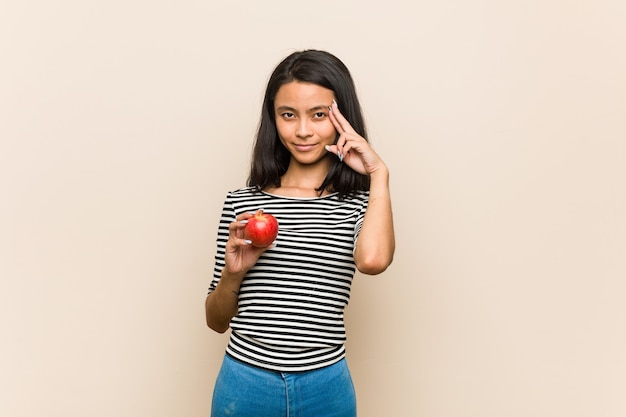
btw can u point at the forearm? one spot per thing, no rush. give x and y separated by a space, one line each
223 302
376 243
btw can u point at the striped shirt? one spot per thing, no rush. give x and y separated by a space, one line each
291 303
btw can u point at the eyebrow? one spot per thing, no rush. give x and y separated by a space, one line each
311 110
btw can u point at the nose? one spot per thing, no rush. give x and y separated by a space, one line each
303 129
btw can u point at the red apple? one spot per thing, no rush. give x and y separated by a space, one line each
262 229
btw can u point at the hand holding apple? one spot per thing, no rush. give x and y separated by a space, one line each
261 229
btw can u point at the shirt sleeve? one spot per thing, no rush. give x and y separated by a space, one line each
227 217
364 200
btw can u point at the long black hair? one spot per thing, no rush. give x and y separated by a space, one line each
270 158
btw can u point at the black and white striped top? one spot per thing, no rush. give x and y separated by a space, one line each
291 303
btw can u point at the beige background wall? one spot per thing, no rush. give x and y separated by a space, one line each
124 123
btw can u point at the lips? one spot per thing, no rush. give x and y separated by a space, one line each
304 147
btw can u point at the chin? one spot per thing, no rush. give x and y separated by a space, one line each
309 161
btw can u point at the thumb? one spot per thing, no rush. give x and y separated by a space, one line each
334 150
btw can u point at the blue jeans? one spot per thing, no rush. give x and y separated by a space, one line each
247 391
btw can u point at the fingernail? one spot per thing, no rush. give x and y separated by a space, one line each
243 222
247 242
340 156
335 103
327 148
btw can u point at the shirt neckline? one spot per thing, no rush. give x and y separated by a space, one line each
299 198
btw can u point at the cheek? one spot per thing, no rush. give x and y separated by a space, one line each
283 133
328 132
282 128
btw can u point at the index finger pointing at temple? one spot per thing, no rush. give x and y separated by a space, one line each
343 124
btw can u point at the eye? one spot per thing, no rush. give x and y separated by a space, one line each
319 115
287 115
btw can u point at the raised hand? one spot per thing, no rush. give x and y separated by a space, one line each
352 148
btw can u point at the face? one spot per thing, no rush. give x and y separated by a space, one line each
302 120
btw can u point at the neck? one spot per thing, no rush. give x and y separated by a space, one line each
302 180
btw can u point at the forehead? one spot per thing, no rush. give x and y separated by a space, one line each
299 94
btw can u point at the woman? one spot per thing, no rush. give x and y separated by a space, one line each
314 170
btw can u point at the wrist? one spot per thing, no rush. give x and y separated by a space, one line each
380 176
232 280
